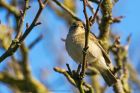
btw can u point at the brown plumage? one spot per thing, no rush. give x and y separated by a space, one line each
96 55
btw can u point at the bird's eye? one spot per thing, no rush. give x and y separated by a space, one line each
74 25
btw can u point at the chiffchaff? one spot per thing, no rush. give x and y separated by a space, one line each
97 57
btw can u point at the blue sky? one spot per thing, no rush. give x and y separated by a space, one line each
44 56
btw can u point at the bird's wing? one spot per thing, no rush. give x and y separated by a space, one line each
107 59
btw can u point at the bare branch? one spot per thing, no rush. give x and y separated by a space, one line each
86 39
95 15
17 41
35 41
10 8
64 72
67 10
21 19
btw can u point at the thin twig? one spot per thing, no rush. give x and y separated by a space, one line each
69 70
64 72
79 68
117 19
98 18
17 42
72 78
67 10
21 19
88 24
10 8
39 38
23 48
28 30
86 40
95 15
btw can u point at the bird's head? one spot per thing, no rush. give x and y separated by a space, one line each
77 27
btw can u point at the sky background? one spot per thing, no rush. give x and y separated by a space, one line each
50 51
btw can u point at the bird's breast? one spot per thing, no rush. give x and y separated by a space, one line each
74 47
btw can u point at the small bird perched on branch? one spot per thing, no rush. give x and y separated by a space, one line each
96 57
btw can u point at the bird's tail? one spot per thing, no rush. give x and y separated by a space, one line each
107 75
109 78
103 69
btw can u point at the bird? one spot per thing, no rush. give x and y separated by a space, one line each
97 58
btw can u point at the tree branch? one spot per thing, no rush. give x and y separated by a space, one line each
106 20
86 39
17 42
10 8
67 10
75 80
